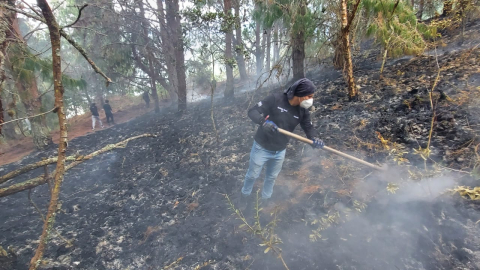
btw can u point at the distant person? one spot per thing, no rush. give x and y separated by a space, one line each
146 97
108 111
95 115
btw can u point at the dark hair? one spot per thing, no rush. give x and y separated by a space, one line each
106 100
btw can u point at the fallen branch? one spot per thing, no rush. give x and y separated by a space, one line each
28 117
33 166
40 180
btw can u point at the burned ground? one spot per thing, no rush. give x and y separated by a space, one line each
159 203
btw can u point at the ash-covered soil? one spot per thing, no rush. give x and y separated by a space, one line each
159 202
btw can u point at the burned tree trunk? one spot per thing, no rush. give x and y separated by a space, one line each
6 22
54 30
168 51
152 73
239 43
229 88
175 28
298 46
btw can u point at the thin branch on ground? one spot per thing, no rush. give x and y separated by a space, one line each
40 180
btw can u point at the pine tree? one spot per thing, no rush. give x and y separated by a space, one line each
396 27
300 22
23 66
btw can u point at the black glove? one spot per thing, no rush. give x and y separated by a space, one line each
317 143
270 127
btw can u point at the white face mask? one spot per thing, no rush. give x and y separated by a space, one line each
306 103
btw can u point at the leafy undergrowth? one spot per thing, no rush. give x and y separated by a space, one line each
160 202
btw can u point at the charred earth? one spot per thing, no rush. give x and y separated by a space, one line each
159 202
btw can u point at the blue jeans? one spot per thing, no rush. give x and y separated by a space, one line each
260 156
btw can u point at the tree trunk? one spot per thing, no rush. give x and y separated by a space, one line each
345 32
298 46
173 21
167 48
153 83
8 130
31 98
62 146
421 6
239 43
152 73
269 48
258 48
276 45
263 34
8 17
229 88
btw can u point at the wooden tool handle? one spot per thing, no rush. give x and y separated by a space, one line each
305 140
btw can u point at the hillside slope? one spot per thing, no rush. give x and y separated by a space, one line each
159 202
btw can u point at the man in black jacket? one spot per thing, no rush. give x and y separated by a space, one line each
95 115
281 110
108 111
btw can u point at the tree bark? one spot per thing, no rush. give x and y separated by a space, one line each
168 50
229 87
239 43
298 46
276 45
345 33
173 20
152 74
258 48
421 5
269 48
54 30
6 25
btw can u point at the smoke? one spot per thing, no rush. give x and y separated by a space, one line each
416 227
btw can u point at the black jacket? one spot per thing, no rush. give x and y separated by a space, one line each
94 110
284 115
107 108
